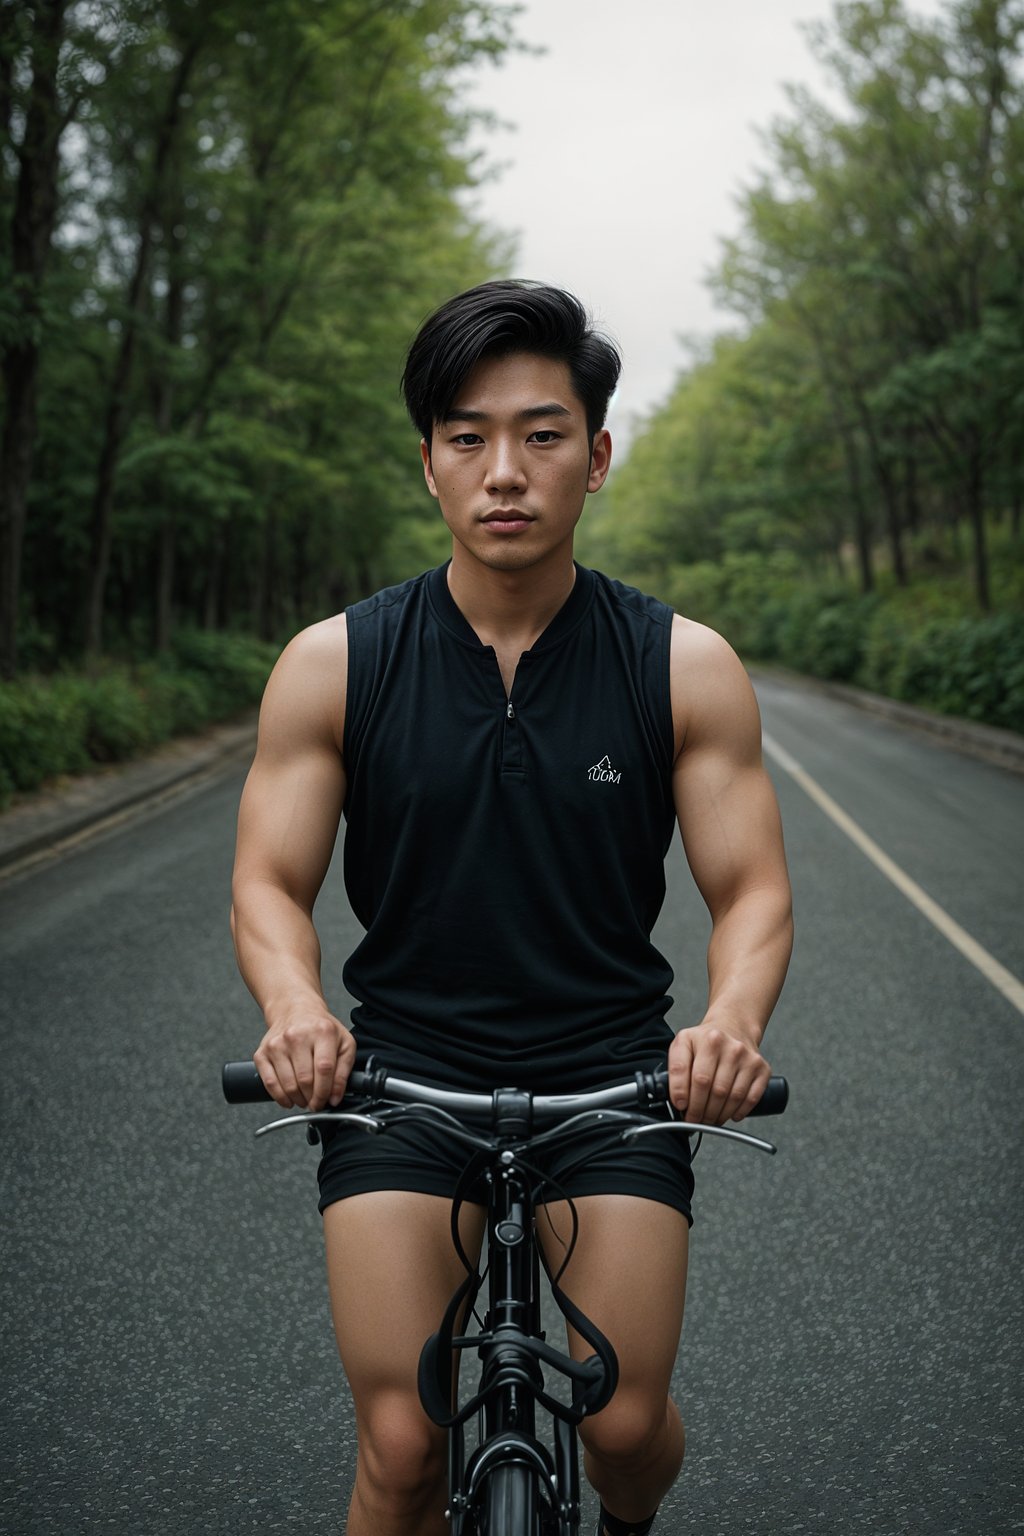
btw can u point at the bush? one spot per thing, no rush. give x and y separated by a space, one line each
42 732
916 644
971 667
71 722
118 724
824 633
745 596
177 703
231 669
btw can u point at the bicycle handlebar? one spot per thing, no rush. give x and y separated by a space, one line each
243 1085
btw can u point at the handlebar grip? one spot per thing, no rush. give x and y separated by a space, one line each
772 1102
243 1084
774 1099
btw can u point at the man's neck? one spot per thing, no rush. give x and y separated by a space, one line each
510 609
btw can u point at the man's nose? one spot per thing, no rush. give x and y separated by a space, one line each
505 470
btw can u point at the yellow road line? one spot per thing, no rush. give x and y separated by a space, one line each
1005 981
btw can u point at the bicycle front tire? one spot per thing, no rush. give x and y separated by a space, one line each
511 1503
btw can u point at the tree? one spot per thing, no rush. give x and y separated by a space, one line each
886 235
45 63
254 212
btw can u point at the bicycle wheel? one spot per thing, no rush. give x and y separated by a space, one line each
511 1503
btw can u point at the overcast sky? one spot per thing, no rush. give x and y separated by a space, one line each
632 134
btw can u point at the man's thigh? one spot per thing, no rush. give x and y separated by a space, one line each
628 1275
391 1270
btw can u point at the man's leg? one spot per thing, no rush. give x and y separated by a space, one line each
628 1274
391 1270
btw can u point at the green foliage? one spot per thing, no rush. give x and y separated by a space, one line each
178 702
72 722
968 667
117 723
259 207
931 651
824 487
42 732
823 633
231 670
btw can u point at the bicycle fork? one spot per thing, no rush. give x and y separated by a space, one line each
511 1349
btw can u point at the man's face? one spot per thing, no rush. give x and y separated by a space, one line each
513 462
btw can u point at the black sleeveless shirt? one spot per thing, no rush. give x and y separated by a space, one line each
506 855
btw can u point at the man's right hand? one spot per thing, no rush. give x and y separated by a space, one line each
305 1060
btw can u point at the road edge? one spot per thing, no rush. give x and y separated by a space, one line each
48 824
987 743
59 818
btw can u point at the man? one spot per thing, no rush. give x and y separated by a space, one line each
511 738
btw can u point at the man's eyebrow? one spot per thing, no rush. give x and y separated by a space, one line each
530 413
552 408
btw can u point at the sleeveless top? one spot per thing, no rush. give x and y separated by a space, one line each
506 854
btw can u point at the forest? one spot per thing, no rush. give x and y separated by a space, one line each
837 484
221 224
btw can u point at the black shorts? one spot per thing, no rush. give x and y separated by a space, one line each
417 1156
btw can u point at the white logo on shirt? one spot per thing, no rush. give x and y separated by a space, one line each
604 773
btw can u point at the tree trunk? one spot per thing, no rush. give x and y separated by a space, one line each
117 412
267 610
892 518
214 581
911 503
976 511
841 420
20 371
165 556
861 520
164 421
35 211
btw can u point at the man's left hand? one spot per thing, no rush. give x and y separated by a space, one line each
715 1075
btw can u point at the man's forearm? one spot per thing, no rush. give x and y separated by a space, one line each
748 956
277 949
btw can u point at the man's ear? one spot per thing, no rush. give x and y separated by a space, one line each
600 459
428 472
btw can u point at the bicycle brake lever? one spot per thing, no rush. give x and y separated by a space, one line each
367 1123
689 1128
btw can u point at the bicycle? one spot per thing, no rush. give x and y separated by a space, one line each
511 1483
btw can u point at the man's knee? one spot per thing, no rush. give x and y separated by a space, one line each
401 1454
631 1432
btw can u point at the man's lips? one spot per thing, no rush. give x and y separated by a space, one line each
506 517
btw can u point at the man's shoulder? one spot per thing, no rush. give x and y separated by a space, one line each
318 645
388 598
709 682
630 602
700 651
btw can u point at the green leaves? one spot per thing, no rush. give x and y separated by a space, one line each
258 208
873 411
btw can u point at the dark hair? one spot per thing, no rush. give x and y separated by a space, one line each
493 320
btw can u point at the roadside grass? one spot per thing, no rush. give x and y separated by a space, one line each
928 643
73 721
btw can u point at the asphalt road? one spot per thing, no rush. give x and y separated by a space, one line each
852 1354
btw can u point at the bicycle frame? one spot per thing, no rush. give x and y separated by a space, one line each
511 1348
510 1484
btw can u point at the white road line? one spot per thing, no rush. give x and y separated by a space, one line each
1006 982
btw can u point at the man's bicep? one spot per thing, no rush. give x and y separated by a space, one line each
730 827
293 797
725 802
288 822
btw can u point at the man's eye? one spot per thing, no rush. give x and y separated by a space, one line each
467 439
544 436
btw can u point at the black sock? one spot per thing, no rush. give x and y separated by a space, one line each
616 1527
